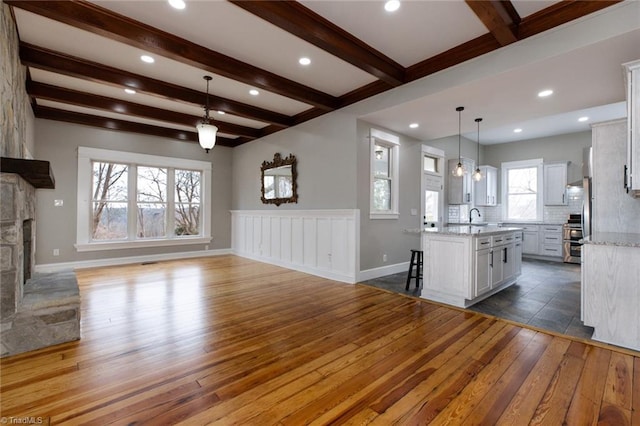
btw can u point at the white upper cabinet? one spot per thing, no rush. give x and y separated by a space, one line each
486 189
461 187
632 168
555 184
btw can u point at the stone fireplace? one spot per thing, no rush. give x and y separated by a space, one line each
36 310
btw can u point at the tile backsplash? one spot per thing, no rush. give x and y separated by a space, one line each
551 214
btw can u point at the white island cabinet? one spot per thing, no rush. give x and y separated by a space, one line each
465 264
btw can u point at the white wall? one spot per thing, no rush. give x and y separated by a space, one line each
58 142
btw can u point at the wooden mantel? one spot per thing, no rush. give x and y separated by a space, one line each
37 172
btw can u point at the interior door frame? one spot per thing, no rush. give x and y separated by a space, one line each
430 151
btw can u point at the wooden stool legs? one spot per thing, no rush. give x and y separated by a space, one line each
416 260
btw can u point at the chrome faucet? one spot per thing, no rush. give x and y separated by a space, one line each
471 211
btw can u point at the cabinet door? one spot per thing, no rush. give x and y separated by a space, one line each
517 259
530 242
555 184
460 187
485 190
508 261
496 264
483 272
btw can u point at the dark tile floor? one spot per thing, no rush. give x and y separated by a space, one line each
547 296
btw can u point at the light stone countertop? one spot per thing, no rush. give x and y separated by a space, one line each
470 230
613 239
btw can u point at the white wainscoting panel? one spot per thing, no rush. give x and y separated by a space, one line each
318 242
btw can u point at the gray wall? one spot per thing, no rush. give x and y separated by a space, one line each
326 167
554 148
56 226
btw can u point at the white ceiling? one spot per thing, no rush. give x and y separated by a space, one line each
586 81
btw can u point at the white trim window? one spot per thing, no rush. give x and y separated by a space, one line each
130 200
522 190
385 156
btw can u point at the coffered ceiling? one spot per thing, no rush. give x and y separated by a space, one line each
82 55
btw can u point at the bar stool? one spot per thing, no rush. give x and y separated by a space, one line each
416 260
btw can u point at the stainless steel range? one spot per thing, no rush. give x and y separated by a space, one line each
571 236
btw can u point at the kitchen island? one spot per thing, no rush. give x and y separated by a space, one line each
465 264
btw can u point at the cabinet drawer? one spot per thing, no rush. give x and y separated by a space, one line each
509 238
551 250
483 243
551 228
517 236
533 228
552 239
498 240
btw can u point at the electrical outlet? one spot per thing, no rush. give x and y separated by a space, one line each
206 247
58 203
56 252
384 257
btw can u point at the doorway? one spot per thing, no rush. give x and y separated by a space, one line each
432 186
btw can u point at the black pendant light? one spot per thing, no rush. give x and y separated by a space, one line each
477 175
459 170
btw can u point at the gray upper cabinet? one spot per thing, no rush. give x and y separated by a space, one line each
632 168
555 184
461 188
486 189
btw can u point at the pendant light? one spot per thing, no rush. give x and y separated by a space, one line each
459 170
206 131
477 175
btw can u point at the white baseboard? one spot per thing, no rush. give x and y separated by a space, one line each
83 264
382 271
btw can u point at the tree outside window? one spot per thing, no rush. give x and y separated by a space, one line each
187 202
109 201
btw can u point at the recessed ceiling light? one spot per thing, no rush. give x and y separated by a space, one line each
545 93
130 91
221 112
583 119
414 125
254 92
392 5
304 61
177 4
518 130
148 59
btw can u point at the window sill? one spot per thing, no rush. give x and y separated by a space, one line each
119 245
384 215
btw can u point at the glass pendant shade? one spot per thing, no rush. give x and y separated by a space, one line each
206 131
477 175
459 170
207 135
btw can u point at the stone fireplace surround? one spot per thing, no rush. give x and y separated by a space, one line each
36 310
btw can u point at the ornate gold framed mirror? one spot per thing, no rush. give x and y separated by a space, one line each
278 180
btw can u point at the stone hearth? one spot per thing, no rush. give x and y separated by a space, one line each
36 310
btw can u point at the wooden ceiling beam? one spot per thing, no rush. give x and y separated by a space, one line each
103 103
90 17
560 13
302 22
495 17
126 126
49 60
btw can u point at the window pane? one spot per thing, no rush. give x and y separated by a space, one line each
151 220
431 206
523 181
285 186
109 221
187 186
382 194
269 187
522 206
152 184
109 196
381 161
187 219
109 182
429 164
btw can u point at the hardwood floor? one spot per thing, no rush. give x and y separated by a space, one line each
226 340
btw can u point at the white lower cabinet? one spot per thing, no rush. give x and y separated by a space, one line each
497 261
